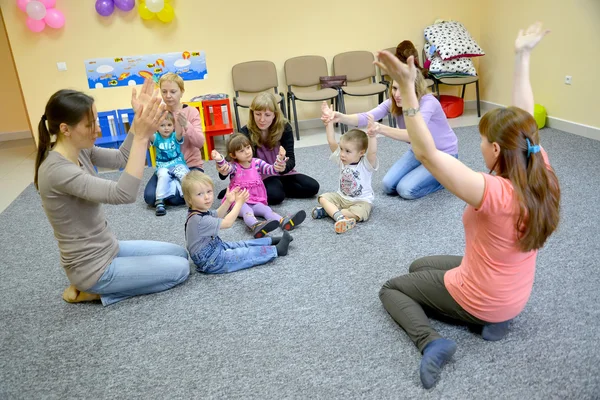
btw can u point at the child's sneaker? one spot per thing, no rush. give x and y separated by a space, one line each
260 229
318 213
289 223
160 210
344 224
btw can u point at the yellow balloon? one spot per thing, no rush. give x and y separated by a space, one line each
166 14
144 12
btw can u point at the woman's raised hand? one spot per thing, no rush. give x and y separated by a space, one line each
149 113
147 93
327 114
404 74
529 38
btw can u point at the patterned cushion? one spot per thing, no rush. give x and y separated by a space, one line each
463 65
452 40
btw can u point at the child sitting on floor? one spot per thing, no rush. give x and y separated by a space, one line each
354 198
246 172
209 253
170 164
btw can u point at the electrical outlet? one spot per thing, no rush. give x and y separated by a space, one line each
568 79
62 66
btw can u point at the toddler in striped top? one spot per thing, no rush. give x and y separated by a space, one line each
247 172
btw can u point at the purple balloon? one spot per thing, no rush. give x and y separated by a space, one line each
105 7
125 5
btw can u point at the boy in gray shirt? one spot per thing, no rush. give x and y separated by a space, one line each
210 254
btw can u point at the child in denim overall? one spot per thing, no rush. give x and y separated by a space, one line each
209 253
246 172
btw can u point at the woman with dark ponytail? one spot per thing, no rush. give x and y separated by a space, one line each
510 214
98 266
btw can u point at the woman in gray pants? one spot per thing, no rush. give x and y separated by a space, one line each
509 215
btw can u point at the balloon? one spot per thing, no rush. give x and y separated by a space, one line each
166 14
48 3
144 12
35 10
22 4
35 25
125 5
105 7
54 18
155 5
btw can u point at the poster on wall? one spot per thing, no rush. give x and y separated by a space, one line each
132 70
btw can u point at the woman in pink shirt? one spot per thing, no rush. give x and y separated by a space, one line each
187 119
509 215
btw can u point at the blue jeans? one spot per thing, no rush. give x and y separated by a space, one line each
410 179
142 267
220 257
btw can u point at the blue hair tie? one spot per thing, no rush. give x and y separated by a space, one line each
532 149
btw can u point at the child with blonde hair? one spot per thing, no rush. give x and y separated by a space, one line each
209 253
246 172
356 156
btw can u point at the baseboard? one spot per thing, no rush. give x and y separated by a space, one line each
4 137
575 128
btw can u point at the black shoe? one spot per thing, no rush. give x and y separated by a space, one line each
289 223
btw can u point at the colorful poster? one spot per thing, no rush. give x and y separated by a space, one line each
132 70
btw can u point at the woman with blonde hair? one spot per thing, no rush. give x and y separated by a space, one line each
187 122
511 212
268 129
408 177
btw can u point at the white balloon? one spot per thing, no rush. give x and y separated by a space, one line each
155 5
36 10
99 85
131 83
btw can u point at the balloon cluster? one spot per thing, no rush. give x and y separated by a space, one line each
41 13
159 8
106 7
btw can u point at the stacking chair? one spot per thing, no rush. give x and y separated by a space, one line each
251 78
304 72
358 66
109 130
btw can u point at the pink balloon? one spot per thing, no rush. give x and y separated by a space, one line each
22 4
54 18
48 3
35 25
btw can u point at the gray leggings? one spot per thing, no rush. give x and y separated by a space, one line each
407 297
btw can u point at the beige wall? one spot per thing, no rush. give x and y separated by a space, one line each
240 31
572 48
13 117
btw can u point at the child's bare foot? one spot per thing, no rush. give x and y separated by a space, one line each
344 224
72 295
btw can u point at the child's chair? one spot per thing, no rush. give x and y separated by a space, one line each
109 128
216 123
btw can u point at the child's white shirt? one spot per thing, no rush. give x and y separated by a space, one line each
355 179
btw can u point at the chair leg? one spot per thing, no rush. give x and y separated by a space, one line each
462 96
295 118
289 107
283 106
343 111
477 92
237 116
335 105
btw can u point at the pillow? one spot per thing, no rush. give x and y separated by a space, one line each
452 40
463 65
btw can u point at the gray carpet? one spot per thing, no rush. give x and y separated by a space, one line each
309 325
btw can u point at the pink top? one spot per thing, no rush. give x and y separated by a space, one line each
194 138
495 278
251 178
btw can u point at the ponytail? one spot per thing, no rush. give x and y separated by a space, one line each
44 142
522 162
65 106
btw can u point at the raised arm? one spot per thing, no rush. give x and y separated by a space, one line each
328 121
372 150
358 119
522 95
112 158
451 173
223 166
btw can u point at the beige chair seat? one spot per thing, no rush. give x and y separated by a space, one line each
244 100
321 94
429 82
364 90
459 81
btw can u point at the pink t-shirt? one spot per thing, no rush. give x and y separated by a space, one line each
495 278
194 138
